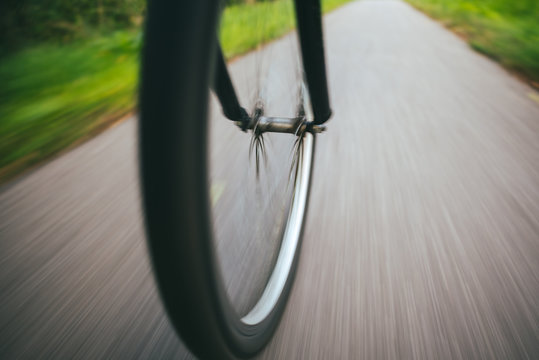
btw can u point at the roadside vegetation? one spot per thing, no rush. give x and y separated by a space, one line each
68 72
505 30
241 30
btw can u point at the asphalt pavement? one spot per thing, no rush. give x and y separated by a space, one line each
422 236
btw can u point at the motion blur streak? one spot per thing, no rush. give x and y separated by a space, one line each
422 239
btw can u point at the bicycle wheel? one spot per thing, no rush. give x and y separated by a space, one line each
181 197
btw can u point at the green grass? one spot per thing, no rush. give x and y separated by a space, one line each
53 96
505 30
241 28
329 5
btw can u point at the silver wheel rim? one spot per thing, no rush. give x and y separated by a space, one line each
277 281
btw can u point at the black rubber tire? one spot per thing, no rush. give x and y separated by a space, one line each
178 54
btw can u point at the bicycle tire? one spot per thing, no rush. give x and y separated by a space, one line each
173 152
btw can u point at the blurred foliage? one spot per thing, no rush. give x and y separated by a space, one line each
32 21
53 96
65 86
505 30
241 28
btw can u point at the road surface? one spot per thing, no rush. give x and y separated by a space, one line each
422 238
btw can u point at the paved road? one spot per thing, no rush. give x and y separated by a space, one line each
422 239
